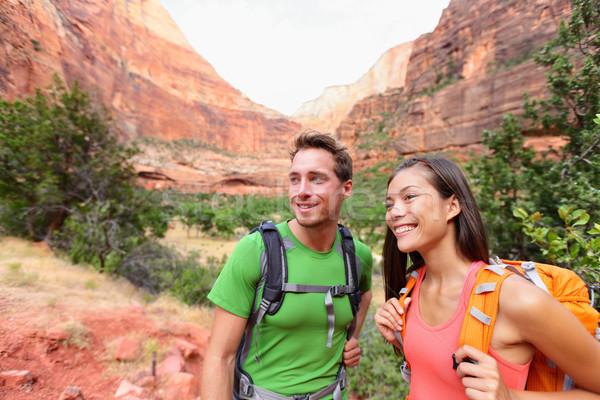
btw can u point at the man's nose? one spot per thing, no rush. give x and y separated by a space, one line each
304 189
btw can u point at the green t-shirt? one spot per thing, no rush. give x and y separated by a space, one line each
292 351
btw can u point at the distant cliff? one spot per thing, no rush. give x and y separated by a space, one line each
328 110
461 78
135 58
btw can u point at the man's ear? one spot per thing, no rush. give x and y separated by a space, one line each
454 207
347 186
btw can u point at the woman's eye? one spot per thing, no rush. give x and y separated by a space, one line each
410 196
389 206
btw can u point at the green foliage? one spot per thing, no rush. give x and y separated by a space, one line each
157 269
574 245
378 374
378 138
510 175
501 179
65 178
223 215
364 212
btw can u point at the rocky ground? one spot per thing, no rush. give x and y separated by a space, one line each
67 332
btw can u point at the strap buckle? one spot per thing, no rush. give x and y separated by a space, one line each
301 396
246 388
338 291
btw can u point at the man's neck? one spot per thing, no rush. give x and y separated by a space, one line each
319 238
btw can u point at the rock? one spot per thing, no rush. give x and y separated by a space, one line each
172 363
129 389
104 45
463 77
57 335
181 386
16 379
71 393
128 350
187 349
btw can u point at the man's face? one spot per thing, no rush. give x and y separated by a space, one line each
315 192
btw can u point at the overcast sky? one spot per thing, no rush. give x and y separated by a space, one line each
281 53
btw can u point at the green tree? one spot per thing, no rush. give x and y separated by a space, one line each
509 175
63 167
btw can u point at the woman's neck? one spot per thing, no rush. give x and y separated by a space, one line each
445 263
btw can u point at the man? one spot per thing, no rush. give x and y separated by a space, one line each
290 356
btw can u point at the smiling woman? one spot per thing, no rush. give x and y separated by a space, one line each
436 234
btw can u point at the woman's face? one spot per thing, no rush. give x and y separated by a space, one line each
416 213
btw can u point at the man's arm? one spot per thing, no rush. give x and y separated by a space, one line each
351 355
219 362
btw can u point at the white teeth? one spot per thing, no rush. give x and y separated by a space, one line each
405 228
305 207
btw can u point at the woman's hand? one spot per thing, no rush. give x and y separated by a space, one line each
482 381
388 319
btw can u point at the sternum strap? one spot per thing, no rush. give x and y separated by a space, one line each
330 292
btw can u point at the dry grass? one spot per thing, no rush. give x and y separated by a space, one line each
32 276
204 245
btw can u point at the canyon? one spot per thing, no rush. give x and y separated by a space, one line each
198 133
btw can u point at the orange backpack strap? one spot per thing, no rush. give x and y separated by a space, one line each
404 293
482 309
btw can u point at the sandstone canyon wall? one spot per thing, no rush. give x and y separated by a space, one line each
134 57
461 78
440 91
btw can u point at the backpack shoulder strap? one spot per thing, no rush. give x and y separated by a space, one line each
275 273
482 309
352 267
404 293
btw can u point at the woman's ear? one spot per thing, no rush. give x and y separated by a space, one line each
454 208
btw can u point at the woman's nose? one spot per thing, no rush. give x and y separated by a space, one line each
397 210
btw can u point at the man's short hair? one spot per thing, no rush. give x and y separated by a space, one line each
318 140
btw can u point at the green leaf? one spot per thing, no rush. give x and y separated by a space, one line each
583 219
520 213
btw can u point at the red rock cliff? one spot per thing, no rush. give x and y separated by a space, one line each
131 53
464 76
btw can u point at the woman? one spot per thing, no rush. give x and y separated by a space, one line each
433 219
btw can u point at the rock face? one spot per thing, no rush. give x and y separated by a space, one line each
327 111
134 57
463 77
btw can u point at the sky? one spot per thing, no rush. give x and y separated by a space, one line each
282 53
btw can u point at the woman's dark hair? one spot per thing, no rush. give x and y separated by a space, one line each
471 239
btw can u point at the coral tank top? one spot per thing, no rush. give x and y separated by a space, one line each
429 349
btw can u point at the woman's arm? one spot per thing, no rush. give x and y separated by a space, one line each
536 318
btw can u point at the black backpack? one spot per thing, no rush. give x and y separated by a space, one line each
274 279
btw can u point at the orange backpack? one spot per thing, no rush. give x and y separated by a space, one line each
478 325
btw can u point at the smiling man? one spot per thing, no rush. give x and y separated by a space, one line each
303 347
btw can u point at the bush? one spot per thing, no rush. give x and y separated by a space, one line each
157 269
576 245
378 374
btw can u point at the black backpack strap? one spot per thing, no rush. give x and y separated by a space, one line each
352 274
